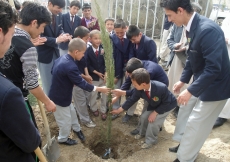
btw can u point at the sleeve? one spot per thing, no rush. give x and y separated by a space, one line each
131 100
51 41
152 49
16 122
170 40
89 64
211 52
29 67
131 52
75 77
126 85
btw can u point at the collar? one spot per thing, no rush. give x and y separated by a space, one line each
94 49
190 22
149 87
21 32
89 19
125 36
71 15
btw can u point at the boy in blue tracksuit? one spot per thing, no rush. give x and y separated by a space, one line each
160 103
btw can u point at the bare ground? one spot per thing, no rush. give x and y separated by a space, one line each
127 149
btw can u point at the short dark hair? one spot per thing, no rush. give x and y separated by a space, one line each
34 11
25 3
60 3
109 19
132 31
76 44
75 3
86 6
133 64
17 5
81 32
120 23
174 4
8 17
140 76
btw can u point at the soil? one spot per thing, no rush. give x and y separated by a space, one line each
127 149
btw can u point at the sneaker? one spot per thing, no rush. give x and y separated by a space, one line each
138 136
126 118
69 142
219 122
146 146
91 124
134 132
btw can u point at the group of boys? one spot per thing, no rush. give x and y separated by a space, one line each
81 70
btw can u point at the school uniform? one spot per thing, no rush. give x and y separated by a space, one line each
122 52
160 100
95 61
146 49
69 24
156 73
65 75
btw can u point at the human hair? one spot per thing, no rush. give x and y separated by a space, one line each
86 6
81 32
120 23
133 64
76 4
140 76
34 11
94 32
133 31
8 17
76 44
109 19
25 3
60 3
174 4
196 7
17 5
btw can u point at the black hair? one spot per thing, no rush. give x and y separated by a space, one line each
109 19
174 4
81 32
86 6
17 5
60 3
76 4
140 76
25 3
8 17
133 64
133 31
34 11
120 23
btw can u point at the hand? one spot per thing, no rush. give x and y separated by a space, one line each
50 106
117 111
177 86
115 80
118 92
177 45
62 38
103 90
184 97
88 78
181 49
114 99
152 116
101 75
38 41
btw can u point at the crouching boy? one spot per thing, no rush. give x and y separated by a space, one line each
65 75
160 103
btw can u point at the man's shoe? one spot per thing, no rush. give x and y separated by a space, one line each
91 124
174 149
175 111
176 160
80 135
96 113
146 146
114 117
69 142
219 122
134 132
126 118
103 116
98 95
138 136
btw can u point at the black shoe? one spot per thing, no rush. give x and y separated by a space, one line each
176 160
126 118
98 95
69 142
174 149
134 132
175 111
219 122
80 135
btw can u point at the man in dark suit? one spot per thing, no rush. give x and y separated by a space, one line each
144 48
160 103
208 62
49 52
69 23
88 20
